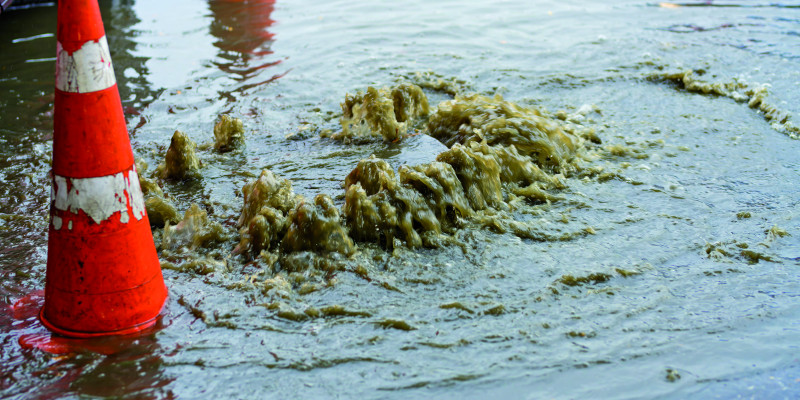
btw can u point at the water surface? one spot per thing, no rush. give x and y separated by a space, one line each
690 315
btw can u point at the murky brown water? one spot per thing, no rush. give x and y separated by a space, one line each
664 265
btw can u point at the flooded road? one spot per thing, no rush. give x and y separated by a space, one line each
661 259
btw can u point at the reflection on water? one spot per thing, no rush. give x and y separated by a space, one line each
27 50
118 367
242 31
135 89
243 39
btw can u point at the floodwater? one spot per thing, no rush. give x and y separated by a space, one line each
672 270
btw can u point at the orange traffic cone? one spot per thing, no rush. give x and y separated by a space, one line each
103 273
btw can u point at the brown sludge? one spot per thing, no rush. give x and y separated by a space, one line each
228 133
501 156
181 161
194 231
386 113
756 96
159 209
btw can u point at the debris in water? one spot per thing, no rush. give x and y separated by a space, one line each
194 231
228 133
435 82
756 96
500 156
494 121
317 227
672 375
591 279
480 178
264 219
387 208
381 113
160 211
149 186
181 162
395 324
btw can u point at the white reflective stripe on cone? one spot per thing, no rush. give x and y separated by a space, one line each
86 70
99 197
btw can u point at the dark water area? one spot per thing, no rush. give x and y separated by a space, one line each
666 266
